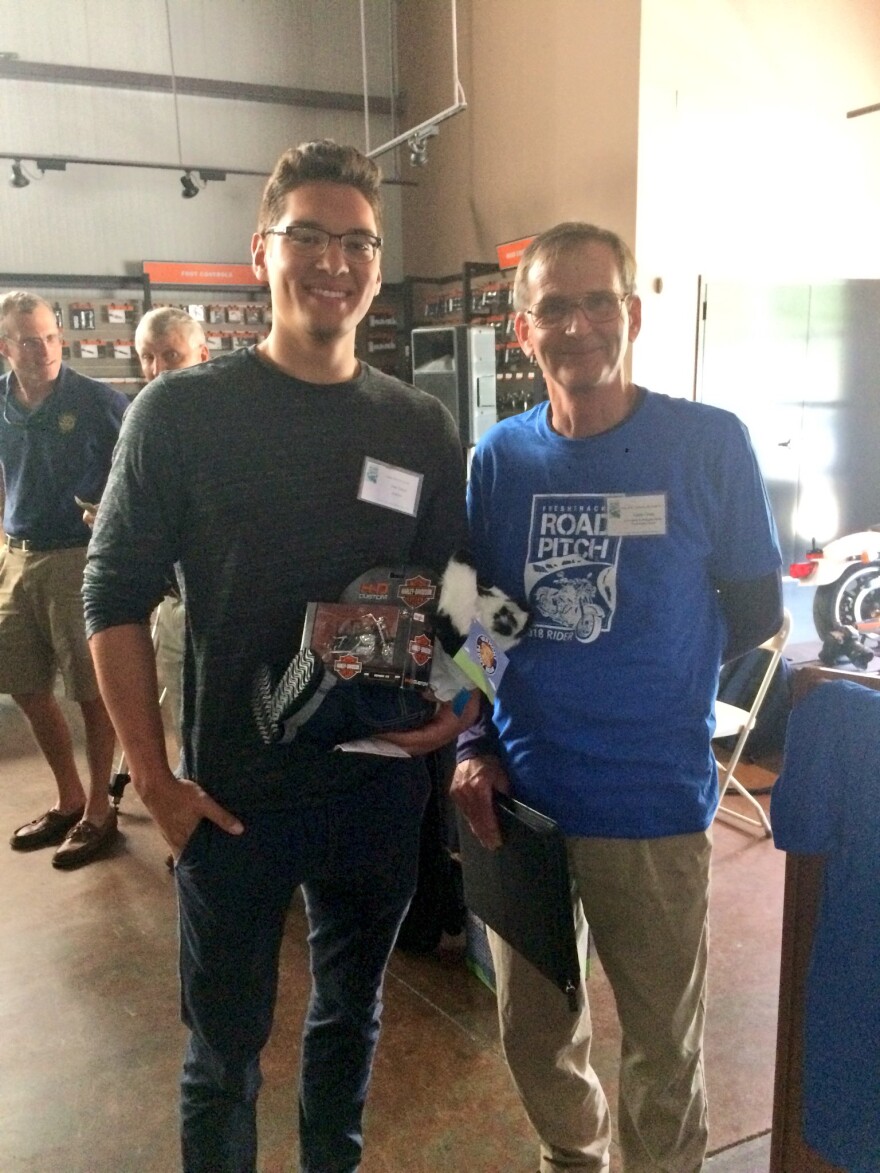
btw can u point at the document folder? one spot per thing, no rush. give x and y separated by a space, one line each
522 890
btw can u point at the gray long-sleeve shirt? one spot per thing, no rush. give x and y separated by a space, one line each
248 479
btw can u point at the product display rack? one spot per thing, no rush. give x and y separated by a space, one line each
98 316
232 316
481 295
383 336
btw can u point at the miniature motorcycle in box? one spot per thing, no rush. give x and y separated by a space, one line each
381 658
387 644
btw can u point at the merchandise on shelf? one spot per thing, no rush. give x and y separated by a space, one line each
81 315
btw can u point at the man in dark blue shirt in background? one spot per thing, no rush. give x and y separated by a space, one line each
57 434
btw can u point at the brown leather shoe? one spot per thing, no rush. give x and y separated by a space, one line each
85 842
46 831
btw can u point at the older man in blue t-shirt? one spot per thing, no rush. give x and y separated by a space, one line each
637 527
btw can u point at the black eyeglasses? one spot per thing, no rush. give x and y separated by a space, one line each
553 313
358 247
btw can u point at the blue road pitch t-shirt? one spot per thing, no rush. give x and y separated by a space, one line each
615 541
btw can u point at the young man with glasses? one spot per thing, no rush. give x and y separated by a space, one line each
57 434
275 476
638 529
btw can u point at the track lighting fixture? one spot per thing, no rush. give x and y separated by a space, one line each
18 177
418 146
193 179
190 188
416 137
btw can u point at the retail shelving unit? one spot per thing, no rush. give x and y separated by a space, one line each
481 295
232 305
98 316
383 335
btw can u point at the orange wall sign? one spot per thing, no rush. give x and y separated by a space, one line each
199 273
509 254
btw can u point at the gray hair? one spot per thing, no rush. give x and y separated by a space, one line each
551 245
166 319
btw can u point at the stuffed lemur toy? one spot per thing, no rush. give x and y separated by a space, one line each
311 700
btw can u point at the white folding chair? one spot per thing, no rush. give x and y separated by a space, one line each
731 721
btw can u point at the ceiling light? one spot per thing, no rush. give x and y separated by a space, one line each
190 188
418 146
18 177
418 152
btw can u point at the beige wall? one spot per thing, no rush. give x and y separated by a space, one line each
710 133
550 132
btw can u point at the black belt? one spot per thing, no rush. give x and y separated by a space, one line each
29 547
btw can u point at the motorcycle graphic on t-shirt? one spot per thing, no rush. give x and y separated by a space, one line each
571 570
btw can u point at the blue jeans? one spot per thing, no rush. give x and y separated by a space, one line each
355 853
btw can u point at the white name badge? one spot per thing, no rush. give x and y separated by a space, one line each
391 487
637 515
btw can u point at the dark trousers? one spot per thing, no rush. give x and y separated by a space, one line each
355 853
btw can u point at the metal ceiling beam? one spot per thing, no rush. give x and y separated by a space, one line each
863 110
199 87
58 162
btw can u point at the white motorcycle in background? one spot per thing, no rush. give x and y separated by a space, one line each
846 575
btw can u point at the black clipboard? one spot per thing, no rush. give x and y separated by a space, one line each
522 890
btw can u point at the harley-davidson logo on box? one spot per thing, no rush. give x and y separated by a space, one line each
416 591
421 649
347 667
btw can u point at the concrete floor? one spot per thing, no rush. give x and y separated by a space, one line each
90 1042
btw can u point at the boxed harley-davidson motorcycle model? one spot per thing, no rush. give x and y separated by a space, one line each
382 635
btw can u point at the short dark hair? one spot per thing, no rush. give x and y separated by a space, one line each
550 245
323 161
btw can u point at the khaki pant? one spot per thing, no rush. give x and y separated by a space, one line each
646 902
170 634
42 629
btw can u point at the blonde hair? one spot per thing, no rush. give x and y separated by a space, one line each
15 303
159 322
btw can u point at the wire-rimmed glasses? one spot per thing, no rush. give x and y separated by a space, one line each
599 307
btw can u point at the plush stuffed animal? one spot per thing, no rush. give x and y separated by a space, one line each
329 692
463 599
